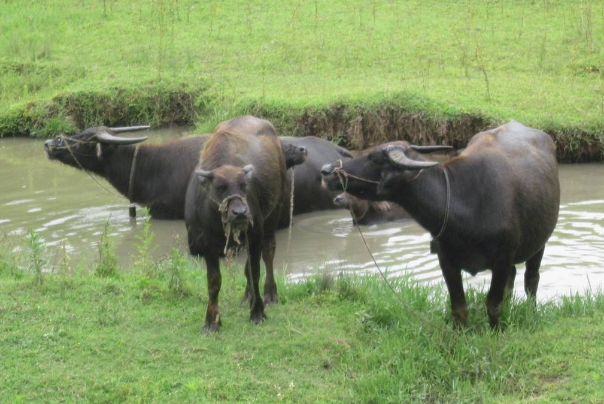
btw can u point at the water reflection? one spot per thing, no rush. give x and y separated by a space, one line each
68 208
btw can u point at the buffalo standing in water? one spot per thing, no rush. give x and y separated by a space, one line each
161 173
159 177
237 190
493 206
370 212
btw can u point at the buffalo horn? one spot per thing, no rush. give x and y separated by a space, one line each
130 128
431 149
398 157
107 138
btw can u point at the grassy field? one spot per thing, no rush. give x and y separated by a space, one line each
74 62
97 333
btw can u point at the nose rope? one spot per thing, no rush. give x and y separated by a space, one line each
226 225
340 172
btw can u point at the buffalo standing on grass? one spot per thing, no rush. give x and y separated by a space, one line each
235 196
493 206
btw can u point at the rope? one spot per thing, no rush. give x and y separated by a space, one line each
86 171
405 304
447 206
291 210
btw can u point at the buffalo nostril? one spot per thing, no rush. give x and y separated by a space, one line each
239 211
326 169
302 149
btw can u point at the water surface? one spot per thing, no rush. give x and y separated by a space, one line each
68 208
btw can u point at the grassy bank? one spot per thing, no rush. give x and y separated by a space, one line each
355 71
97 333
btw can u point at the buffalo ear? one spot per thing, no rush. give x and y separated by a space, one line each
203 176
249 171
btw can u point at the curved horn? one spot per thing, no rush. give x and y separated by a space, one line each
106 138
123 129
398 157
431 149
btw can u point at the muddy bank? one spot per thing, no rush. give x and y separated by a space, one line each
354 124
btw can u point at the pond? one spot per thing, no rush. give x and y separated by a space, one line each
69 210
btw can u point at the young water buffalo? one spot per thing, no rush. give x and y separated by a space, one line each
236 191
491 207
370 212
161 172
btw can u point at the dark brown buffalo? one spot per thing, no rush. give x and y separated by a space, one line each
161 173
239 186
370 212
503 203
309 195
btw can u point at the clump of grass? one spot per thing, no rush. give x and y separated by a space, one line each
175 267
38 259
145 263
107 264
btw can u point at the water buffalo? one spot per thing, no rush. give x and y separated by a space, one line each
370 212
237 191
309 195
493 206
161 172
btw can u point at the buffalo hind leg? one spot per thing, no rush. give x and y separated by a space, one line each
256 304
459 308
213 322
499 281
531 275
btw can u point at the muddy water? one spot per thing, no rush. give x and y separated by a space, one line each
69 209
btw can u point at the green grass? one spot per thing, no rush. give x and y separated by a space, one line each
76 336
537 61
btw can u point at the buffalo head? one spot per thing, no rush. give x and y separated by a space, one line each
88 148
294 155
227 186
373 175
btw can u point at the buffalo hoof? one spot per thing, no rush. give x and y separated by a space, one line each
257 318
271 298
210 328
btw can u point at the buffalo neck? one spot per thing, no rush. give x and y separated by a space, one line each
117 171
425 198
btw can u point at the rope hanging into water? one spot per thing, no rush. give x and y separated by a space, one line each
291 209
447 206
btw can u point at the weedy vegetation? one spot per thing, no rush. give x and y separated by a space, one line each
136 336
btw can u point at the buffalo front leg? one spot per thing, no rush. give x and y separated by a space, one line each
509 287
247 295
256 304
459 308
531 275
213 322
268 256
499 281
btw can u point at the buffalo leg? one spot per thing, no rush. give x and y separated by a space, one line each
499 280
256 304
459 308
268 256
247 295
509 287
214 283
531 275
